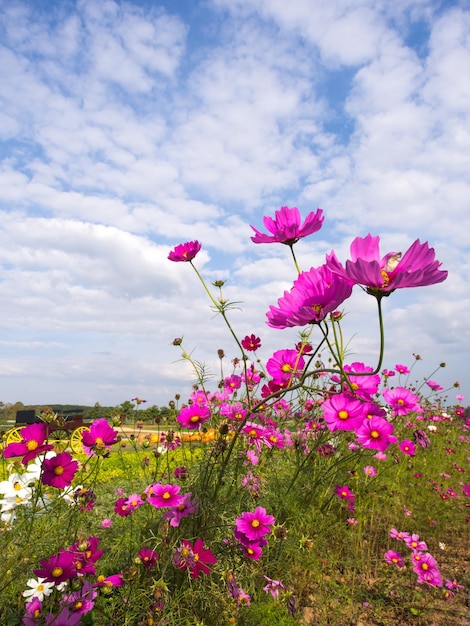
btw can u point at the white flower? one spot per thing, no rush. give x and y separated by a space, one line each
38 589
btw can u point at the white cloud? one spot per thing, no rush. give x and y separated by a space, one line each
128 129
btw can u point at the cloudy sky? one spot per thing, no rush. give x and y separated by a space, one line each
129 127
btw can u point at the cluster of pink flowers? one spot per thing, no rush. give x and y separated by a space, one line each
251 529
424 564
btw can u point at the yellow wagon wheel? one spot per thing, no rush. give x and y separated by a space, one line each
76 439
14 435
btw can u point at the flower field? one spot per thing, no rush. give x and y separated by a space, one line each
300 488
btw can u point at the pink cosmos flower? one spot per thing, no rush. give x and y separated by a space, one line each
407 447
427 570
33 612
185 251
369 470
99 438
121 508
380 276
434 386
376 433
58 568
163 496
273 587
195 557
188 506
344 493
284 365
413 542
232 383
193 416
33 437
395 558
234 411
402 401
343 412
364 386
133 502
115 580
402 369
59 470
251 343
314 294
106 522
86 554
286 227
148 557
82 601
256 525
398 535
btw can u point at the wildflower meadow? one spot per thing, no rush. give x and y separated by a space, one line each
300 486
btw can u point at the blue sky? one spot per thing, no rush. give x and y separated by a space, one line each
129 127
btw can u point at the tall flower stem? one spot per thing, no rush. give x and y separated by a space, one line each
291 246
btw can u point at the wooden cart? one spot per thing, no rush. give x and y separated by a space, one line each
64 432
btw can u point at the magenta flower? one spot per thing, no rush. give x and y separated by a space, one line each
254 526
398 535
58 568
343 412
99 438
427 570
344 493
380 276
148 558
195 557
273 587
402 369
133 502
394 558
434 386
286 227
407 447
314 294
364 386
85 553
251 343
81 601
33 437
285 364
121 508
193 416
376 434
33 612
59 470
188 506
413 542
369 470
163 496
115 580
402 401
185 251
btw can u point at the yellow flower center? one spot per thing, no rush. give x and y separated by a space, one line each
194 419
40 588
57 571
343 415
78 605
99 443
32 445
286 368
255 523
401 402
166 495
17 486
424 566
59 470
375 434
